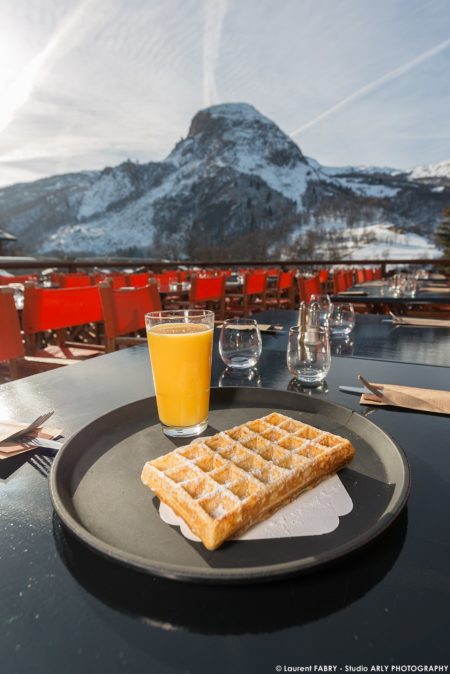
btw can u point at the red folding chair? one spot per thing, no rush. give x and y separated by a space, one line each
139 280
360 275
64 313
166 277
251 299
282 297
340 283
73 280
6 280
12 349
124 312
308 286
208 293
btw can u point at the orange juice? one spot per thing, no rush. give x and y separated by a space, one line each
181 363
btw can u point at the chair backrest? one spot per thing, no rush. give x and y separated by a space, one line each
118 281
360 276
56 308
369 274
6 280
73 280
11 345
211 289
348 278
168 276
124 309
255 283
285 280
339 281
323 276
138 280
308 286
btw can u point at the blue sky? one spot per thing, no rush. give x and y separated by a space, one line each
89 83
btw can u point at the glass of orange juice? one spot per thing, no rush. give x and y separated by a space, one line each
180 345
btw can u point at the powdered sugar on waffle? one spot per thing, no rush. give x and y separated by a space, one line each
261 452
313 513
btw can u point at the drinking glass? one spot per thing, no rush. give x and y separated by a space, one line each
180 346
342 319
240 343
240 377
325 307
308 354
410 286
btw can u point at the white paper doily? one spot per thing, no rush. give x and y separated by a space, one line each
313 513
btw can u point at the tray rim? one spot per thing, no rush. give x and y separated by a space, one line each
229 575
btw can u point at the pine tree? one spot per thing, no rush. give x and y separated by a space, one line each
443 235
443 232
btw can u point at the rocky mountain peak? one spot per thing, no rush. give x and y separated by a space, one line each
237 134
236 185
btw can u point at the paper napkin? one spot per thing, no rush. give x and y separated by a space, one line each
313 513
425 322
353 292
422 399
13 447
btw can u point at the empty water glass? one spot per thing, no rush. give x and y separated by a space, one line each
410 286
342 319
242 377
240 343
308 354
325 306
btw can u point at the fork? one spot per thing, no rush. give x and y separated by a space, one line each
34 424
377 391
395 318
46 443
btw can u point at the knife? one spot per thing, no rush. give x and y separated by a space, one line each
354 389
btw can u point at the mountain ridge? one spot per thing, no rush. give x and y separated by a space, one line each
236 182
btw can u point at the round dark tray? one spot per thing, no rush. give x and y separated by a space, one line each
96 490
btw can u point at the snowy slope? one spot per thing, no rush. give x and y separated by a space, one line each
439 170
385 241
235 178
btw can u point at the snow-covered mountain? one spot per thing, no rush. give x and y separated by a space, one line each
381 241
236 186
439 170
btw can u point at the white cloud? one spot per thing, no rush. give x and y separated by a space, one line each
126 77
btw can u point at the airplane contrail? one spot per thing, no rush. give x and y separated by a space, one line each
215 12
388 77
20 90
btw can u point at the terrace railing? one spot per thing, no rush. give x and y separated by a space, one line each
77 264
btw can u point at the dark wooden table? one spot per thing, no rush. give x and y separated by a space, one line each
376 294
65 610
374 336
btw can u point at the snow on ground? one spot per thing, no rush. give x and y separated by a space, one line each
384 241
439 170
108 189
106 233
368 189
290 182
343 170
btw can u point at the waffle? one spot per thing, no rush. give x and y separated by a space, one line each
230 481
